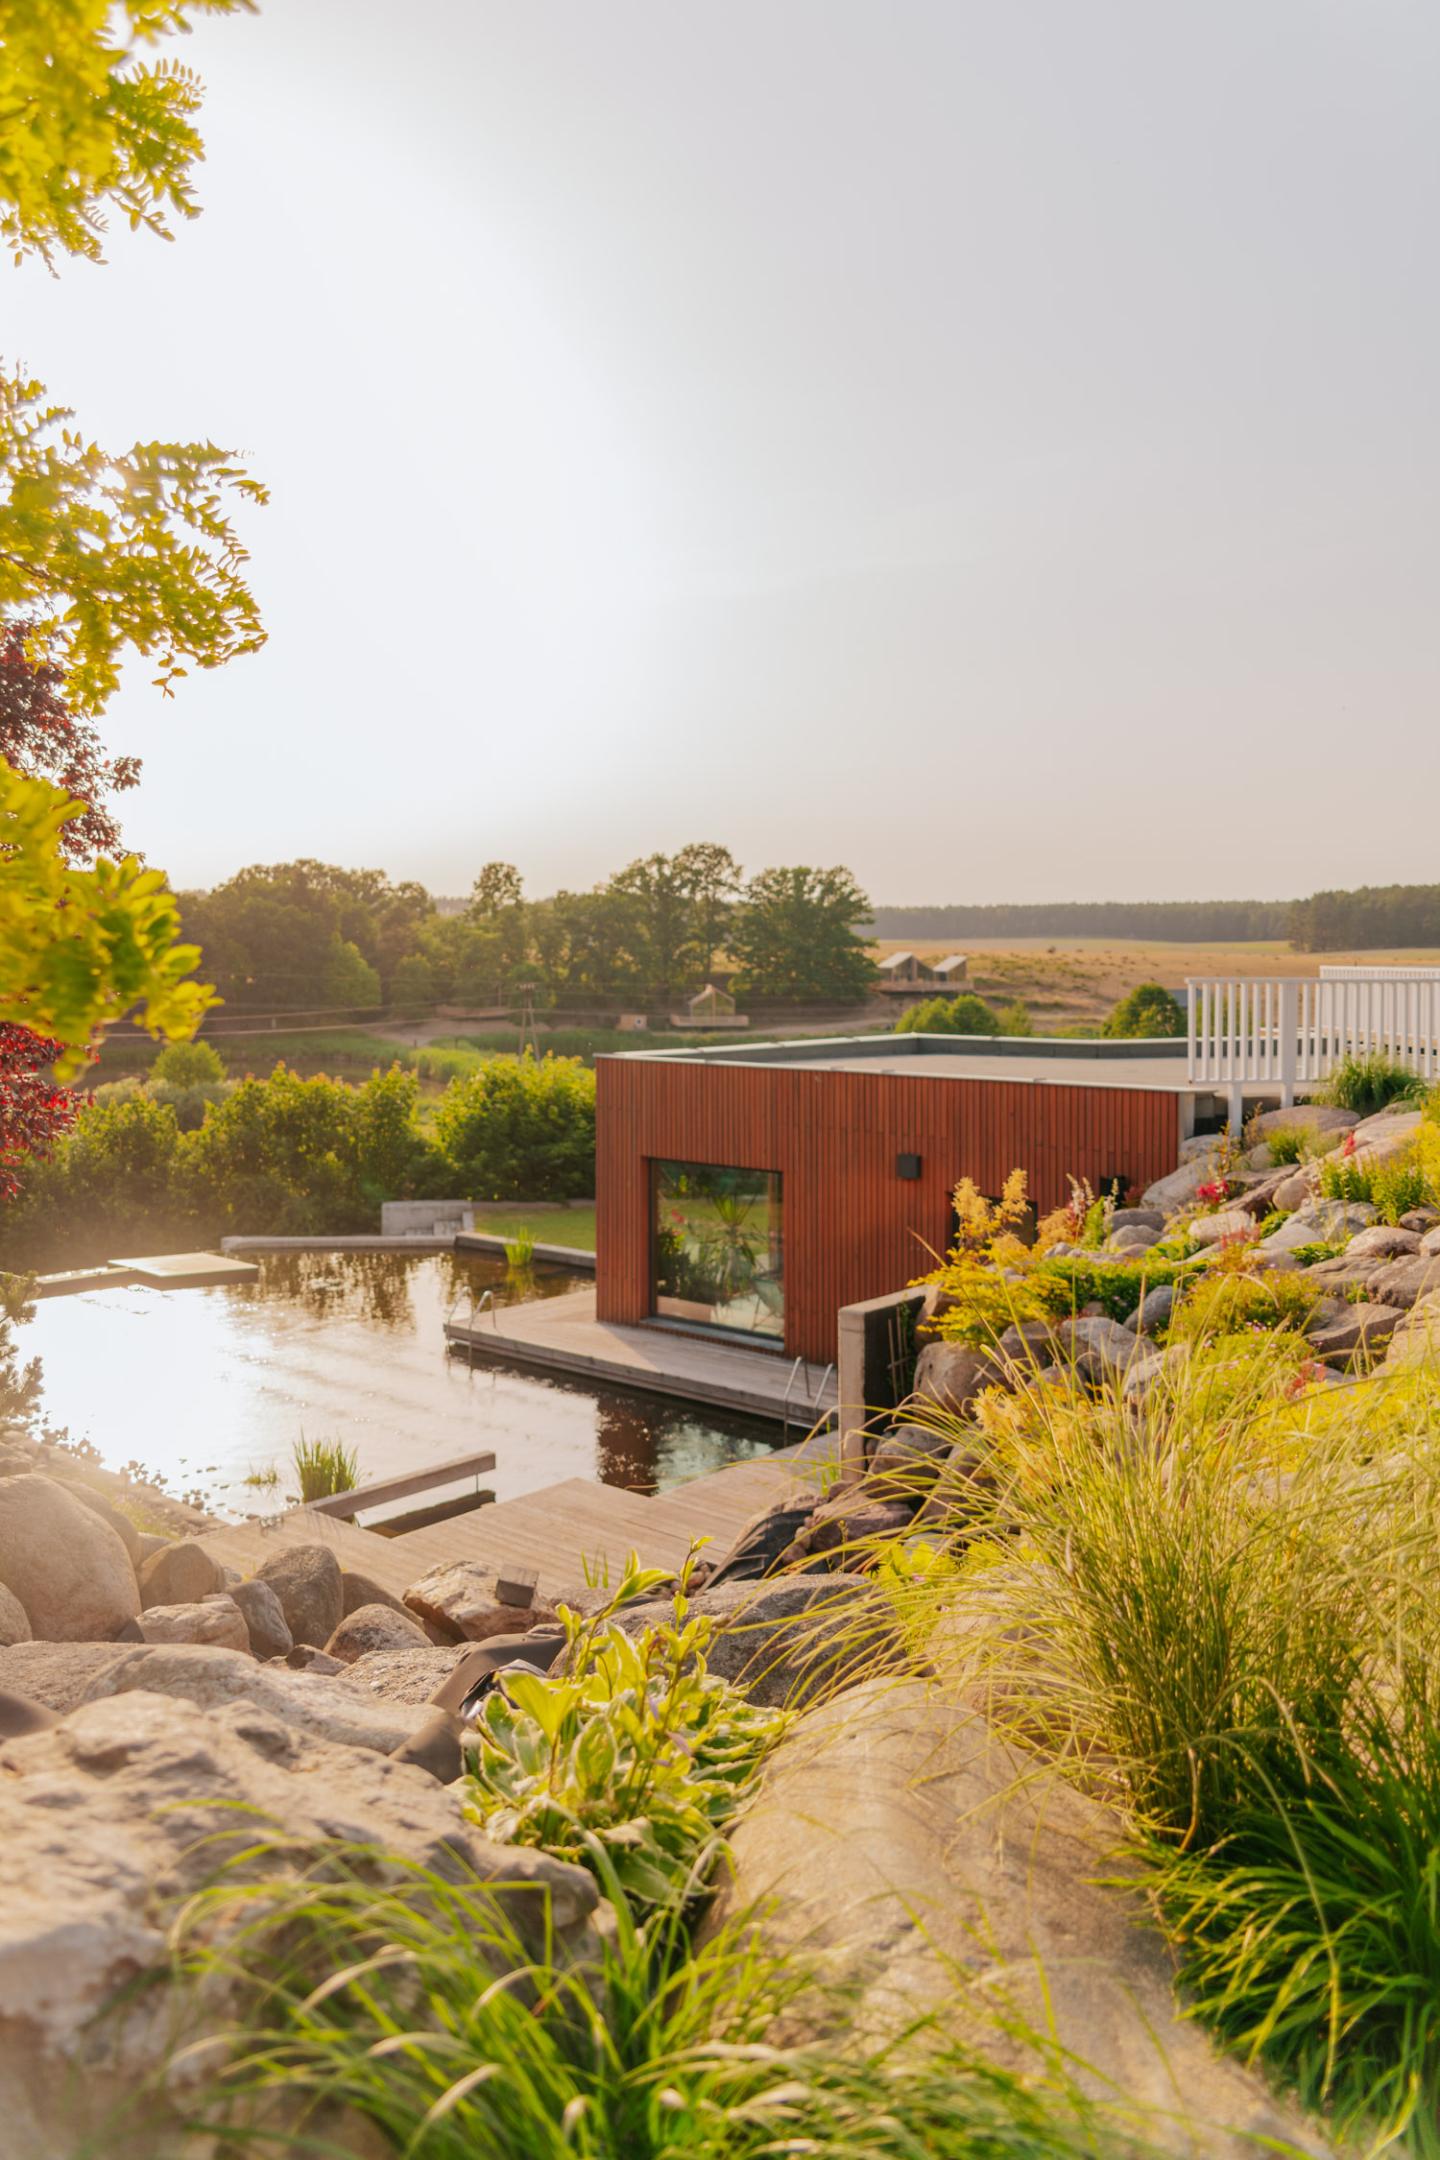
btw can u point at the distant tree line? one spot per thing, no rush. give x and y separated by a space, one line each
1181 921
1370 919
309 935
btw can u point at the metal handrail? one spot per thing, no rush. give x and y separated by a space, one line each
796 1369
820 1391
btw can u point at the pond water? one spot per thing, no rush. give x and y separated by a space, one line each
210 1390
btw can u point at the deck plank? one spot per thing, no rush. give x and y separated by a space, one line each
568 1533
563 1334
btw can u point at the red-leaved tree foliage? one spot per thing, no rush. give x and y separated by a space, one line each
39 736
34 1112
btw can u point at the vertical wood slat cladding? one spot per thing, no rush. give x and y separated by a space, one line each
853 1228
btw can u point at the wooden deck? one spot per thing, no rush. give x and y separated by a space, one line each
565 1532
564 1335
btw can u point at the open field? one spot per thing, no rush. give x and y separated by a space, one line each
1066 982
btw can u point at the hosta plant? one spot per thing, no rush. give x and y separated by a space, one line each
632 1760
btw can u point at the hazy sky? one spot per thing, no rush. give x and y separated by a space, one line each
996 446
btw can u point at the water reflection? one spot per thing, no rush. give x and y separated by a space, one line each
212 1388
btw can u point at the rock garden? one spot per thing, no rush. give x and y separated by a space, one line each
1055 1773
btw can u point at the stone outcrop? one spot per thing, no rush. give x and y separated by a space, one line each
375 1627
949 1376
119 1812
900 1844
459 1602
405 1677
64 1675
795 1639
265 1620
357 1590
215 1621
180 1574
67 1569
306 1579
14 1625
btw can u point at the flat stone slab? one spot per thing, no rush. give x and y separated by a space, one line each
189 1270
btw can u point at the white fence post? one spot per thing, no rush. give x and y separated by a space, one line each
1289 1032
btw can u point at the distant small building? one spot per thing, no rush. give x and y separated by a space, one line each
710 1008
904 974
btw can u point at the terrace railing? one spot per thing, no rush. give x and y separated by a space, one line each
1286 1032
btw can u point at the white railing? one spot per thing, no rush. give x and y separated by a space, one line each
1286 1032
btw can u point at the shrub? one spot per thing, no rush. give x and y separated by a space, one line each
1015 1019
632 1762
1340 1177
188 1064
520 1129
1147 1010
1369 1084
963 1015
1399 1185
1287 1143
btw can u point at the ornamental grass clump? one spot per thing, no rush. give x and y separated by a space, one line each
416 2010
1366 1085
1216 1604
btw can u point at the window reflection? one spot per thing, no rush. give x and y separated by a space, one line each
718 1247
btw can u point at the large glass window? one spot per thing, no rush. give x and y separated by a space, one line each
718 1248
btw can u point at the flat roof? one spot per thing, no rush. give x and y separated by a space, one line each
1154 1063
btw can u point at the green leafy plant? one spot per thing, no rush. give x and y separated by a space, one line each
629 1763
1286 1143
324 1467
520 1251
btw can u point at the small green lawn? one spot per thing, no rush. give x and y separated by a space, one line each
548 1226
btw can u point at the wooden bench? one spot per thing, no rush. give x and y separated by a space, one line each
380 1491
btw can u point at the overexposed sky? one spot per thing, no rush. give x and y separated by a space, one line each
991 443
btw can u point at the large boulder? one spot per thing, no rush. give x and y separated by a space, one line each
1225 1223
216 1622
903 1847
180 1574
14 1626
459 1602
949 1376
1416 1340
68 1569
1382 1242
97 1503
320 1707
761 1541
1404 1282
357 1590
1310 1118
794 1639
1178 1188
1390 1133
265 1621
375 1627
113 1818
306 1579
406 1677
1356 1327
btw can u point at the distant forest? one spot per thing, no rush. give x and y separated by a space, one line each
1374 917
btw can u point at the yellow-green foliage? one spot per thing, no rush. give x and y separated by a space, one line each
78 948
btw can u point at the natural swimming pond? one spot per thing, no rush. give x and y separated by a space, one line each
210 1389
